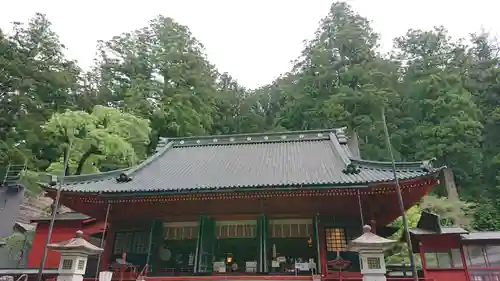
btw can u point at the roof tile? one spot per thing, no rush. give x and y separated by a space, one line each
250 161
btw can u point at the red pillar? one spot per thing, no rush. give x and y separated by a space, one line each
322 249
464 263
422 257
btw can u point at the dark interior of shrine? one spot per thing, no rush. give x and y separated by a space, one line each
236 252
176 256
292 249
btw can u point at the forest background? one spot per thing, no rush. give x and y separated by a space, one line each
441 96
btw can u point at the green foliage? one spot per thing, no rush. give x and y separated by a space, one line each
18 242
486 214
440 96
451 213
399 254
106 136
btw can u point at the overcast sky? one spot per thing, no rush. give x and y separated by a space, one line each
254 40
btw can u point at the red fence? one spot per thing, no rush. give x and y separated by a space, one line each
205 278
389 279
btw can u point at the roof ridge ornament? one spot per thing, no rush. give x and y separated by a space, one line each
427 164
351 169
123 177
341 136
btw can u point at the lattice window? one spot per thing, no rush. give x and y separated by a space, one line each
373 263
141 243
67 264
123 241
335 239
131 242
291 229
81 265
236 230
181 232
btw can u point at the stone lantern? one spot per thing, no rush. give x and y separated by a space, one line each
74 254
371 249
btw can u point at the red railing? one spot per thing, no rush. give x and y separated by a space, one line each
409 279
388 279
256 277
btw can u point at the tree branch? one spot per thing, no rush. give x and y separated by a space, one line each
92 150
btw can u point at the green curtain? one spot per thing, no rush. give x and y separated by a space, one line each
315 238
198 243
262 236
205 245
265 248
156 241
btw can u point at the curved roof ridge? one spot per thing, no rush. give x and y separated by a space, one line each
424 164
270 137
324 131
164 145
93 176
338 149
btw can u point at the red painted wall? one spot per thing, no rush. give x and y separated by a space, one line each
63 230
439 242
446 275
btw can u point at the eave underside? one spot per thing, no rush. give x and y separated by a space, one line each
378 202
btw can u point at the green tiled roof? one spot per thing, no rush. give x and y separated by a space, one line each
273 160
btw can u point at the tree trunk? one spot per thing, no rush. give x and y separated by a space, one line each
353 143
449 182
85 156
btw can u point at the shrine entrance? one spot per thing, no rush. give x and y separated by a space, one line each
236 247
292 247
177 252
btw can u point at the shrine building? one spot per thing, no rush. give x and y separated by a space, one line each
268 206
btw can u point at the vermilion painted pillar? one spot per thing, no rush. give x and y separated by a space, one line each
464 263
422 258
322 247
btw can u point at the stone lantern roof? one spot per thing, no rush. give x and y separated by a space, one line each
370 241
76 244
